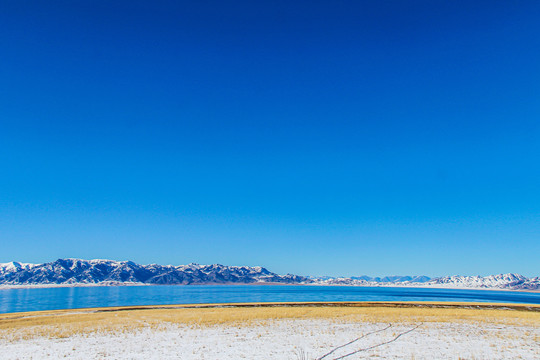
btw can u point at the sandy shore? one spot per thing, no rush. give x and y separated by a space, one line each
277 331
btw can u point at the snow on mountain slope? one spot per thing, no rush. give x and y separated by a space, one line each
110 272
14 266
76 271
502 281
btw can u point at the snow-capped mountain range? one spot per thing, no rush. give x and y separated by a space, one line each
502 281
76 271
110 272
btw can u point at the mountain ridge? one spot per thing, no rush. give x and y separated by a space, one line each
76 272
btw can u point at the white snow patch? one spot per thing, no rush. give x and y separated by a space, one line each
287 339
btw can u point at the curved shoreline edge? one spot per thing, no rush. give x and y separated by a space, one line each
358 304
85 285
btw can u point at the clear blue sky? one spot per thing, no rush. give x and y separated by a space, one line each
311 137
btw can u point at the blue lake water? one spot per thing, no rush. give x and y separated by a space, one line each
16 300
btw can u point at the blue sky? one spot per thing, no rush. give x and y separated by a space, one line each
316 137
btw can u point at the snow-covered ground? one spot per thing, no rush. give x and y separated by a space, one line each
292 339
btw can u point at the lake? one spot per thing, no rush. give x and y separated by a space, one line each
17 300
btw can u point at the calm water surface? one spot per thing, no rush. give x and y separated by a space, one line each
15 300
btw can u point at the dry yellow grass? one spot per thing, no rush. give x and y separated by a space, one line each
66 323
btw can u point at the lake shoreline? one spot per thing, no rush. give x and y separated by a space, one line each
51 298
120 284
300 304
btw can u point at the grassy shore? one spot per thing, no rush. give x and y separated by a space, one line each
296 331
65 323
